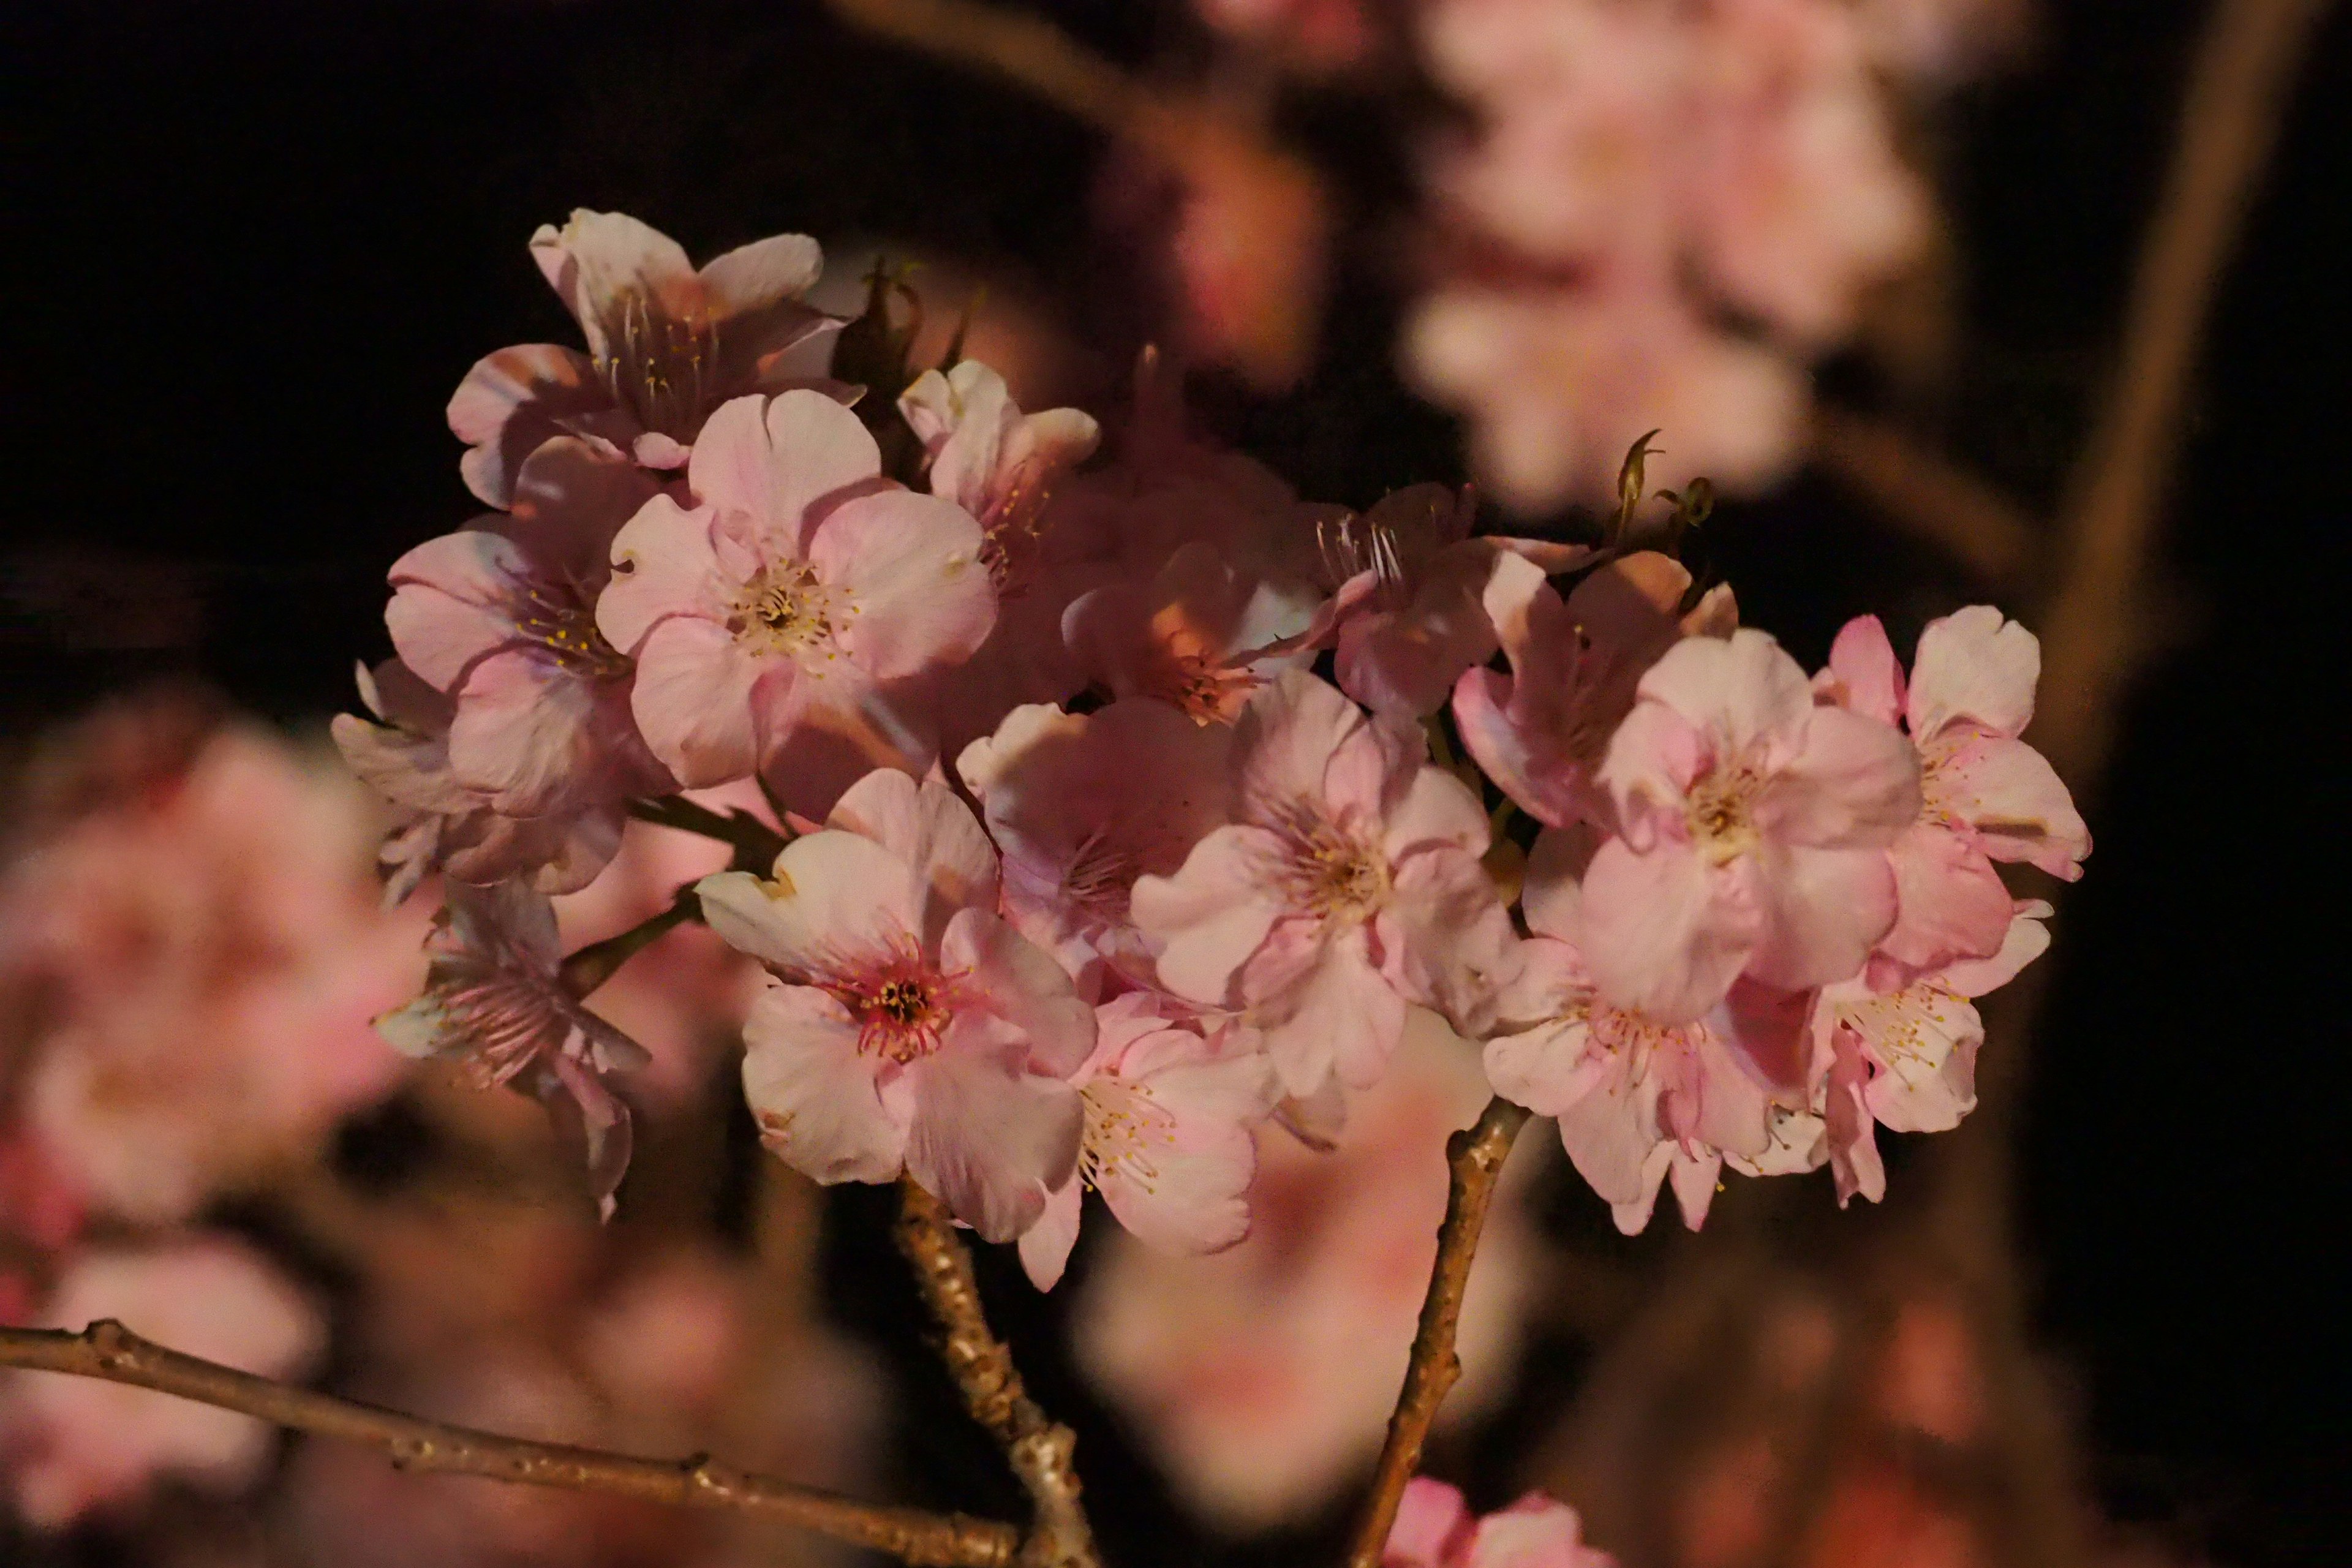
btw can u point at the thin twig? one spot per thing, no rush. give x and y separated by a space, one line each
756 845
1042 1452
1475 1155
1926 496
591 966
108 1350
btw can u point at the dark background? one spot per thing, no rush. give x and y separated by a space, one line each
255 247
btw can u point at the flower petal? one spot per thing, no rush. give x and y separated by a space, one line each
1664 933
662 565
1823 911
924 825
1212 914
813 1093
991 1141
919 593
693 701
1974 665
836 905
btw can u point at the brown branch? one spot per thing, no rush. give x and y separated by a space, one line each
756 843
108 1350
1042 1452
1475 1155
1926 496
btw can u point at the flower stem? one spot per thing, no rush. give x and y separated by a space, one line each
1475 1155
756 843
592 966
108 1350
1041 1451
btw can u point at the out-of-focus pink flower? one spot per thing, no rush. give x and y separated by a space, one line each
1082 804
1321 34
73 1445
501 619
1434 1528
1348 885
1938 42
1262 1377
494 1002
193 968
1201 636
1907 1059
1407 610
1003 466
1559 383
766 621
1540 731
906 1025
1986 795
1754 829
1170 1105
666 345
1636 1098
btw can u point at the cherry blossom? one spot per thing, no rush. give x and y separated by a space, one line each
1261 1378
494 1002
1003 466
1083 804
666 345
1170 1106
75 1445
189 962
1540 731
1434 1528
439 824
1636 1098
1905 1059
1348 885
1201 636
906 1026
1986 795
768 620
1408 612
501 618
1754 832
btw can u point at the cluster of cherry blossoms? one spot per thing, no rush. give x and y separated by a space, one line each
1113 807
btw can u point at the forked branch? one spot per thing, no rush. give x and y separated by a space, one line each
1475 1155
1041 1451
108 1350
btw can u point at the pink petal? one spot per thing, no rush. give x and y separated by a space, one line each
598 261
813 1092
663 565
1978 666
1452 945
919 593
693 701
452 601
838 905
1296 731
513 400
1547 1069
1950 903
733 470
753 277
1189 1195
928 827
1854 783
525 732
1740 692
1432 1526
1611 1133
1506 750
1437 809
837 727
2028 939
1341 1015
1018 981
987 1139
817 449
1553 888
569 498
1212 914
1694 1177
1864 674
2010 795
1045 1245
1852 1135
1823 911
1664 933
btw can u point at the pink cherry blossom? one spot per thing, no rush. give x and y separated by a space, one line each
494 1002
1540 731
1636 1098
1408 612
1082 804
1348 885
501 618
189 966
1434 1528
1201 636
72 1446
906 1026
439 824
1906 1059
1558 383
1754 828
1170 1108
1262 1377
1986 795
1004 468
666 345
768 621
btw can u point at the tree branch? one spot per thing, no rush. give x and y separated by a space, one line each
1476 1154
108 1350
1041 1451
756 843
1926 496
